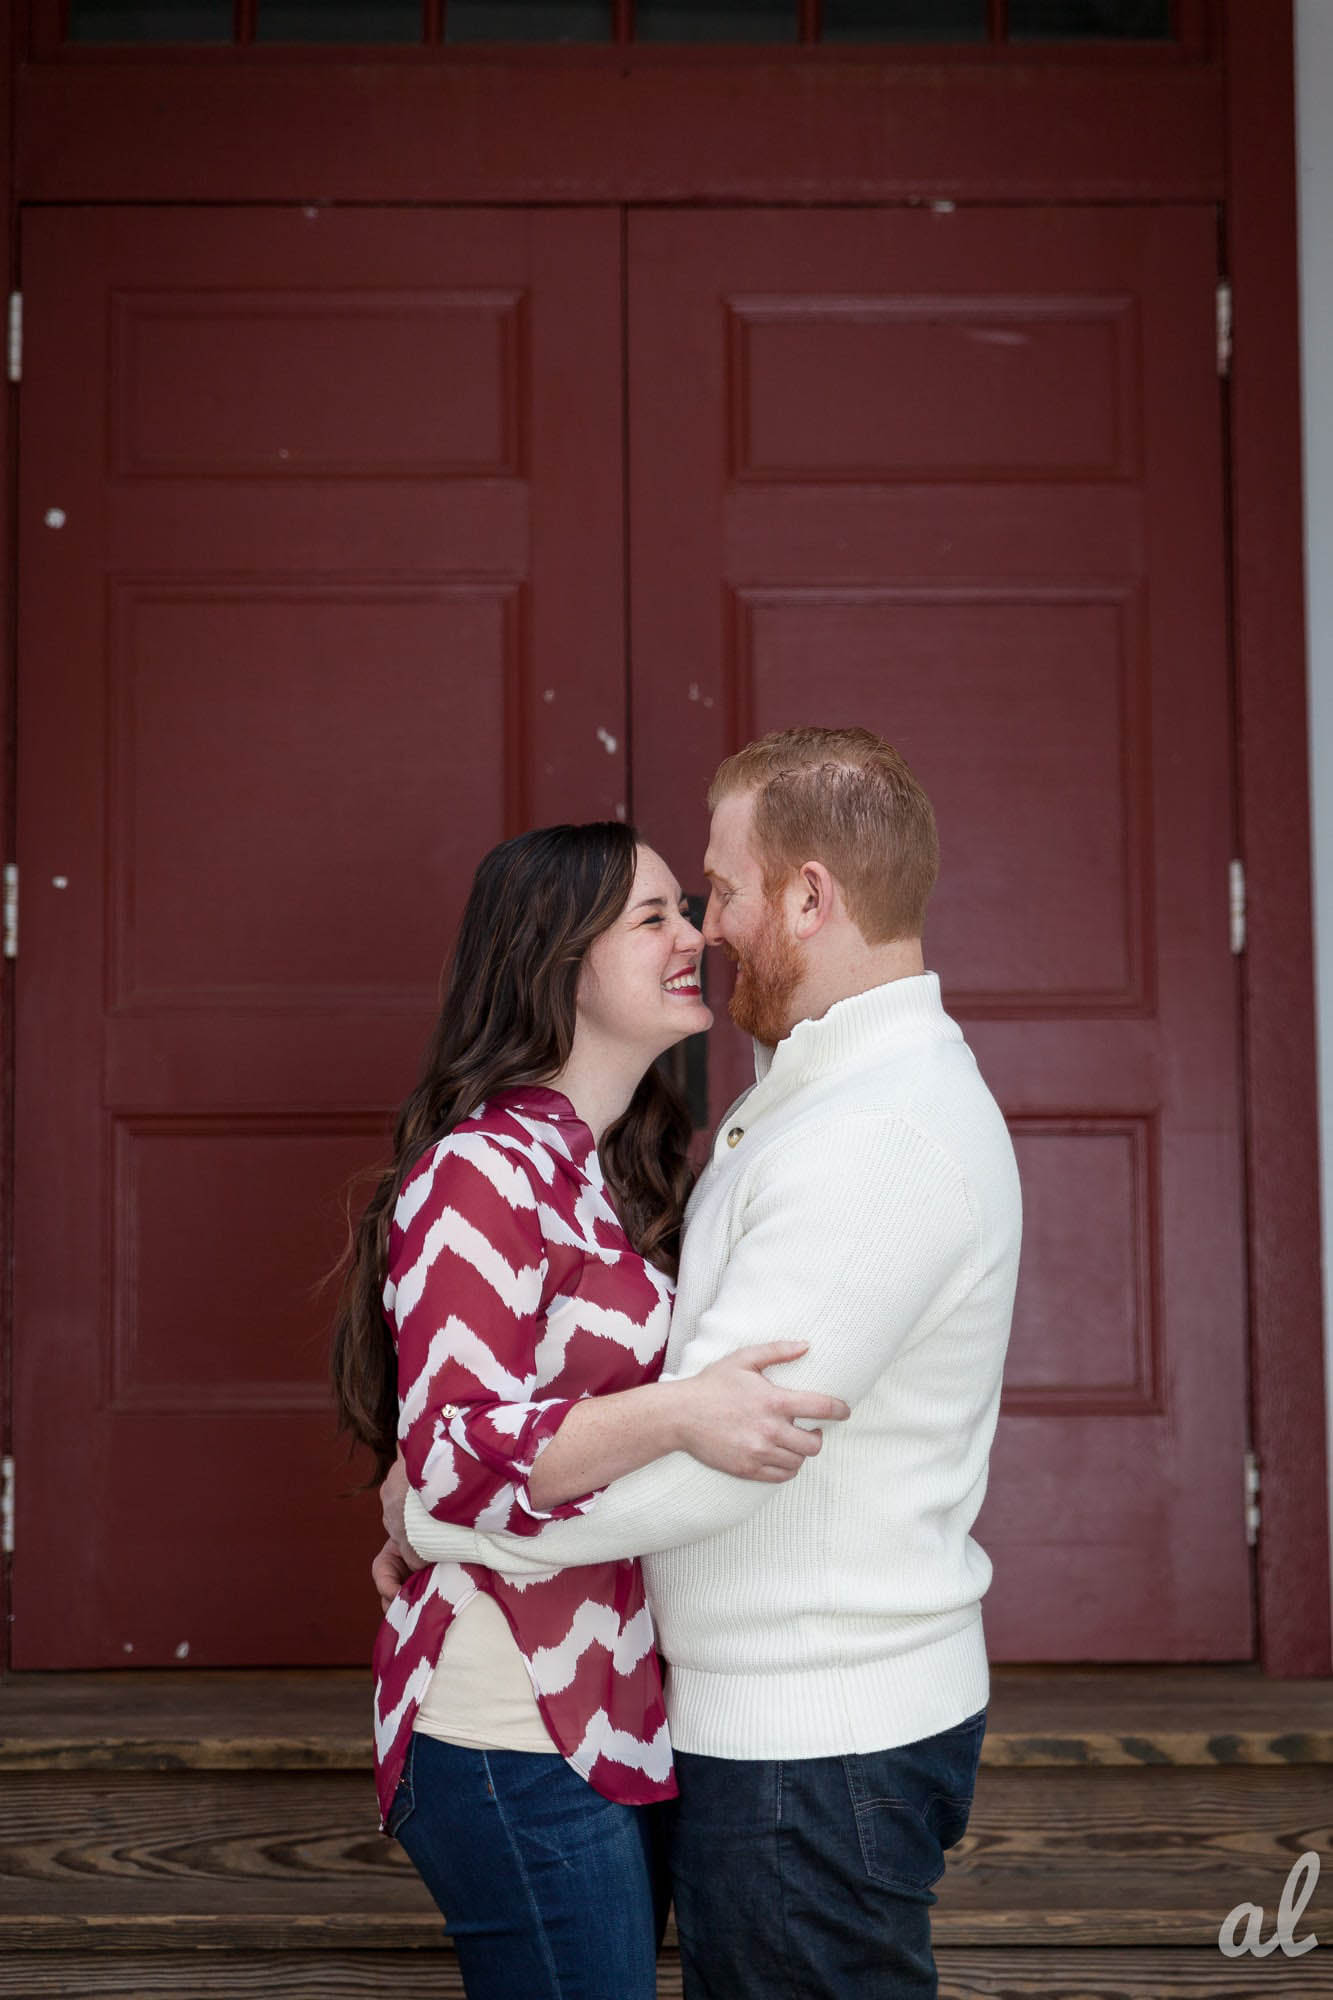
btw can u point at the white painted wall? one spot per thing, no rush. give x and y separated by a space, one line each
1314 138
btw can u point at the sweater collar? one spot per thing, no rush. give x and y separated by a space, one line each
899 1011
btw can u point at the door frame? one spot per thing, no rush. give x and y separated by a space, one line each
1245 162
1277 970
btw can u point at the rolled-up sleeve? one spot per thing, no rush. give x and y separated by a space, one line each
467 1278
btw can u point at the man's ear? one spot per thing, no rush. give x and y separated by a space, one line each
815 893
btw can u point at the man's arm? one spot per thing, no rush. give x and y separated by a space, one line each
856 1239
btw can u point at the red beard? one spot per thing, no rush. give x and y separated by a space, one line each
768 972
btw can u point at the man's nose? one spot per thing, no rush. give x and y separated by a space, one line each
710 926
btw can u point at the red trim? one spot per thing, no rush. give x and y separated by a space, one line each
9 56
606 125
1278 977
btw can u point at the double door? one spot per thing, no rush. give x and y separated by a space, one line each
352 541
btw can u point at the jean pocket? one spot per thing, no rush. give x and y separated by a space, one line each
403 1803
913 1803
903 1845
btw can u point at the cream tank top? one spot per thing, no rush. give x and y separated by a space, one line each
479 1695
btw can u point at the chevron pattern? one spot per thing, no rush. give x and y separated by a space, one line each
512 1292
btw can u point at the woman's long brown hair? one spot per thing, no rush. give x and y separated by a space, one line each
536 904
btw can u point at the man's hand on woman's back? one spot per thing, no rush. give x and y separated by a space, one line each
390 1571
397 1559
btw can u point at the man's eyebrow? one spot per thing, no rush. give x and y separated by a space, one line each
711 875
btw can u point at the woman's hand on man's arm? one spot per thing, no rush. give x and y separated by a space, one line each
737 1421
729 1416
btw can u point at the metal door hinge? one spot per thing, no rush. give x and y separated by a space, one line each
15 344
6 1506
11 910
1251 1499
1224 318
1237 908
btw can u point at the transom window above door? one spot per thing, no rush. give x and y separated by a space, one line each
975 24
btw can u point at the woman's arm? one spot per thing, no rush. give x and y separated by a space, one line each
730 1417
467 1275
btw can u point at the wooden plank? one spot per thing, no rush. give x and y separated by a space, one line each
1130 1975
147 1865
140 1844
224 1930
211 1720
211 1847
1060 1924
964 1975
172 1975
240 1975
1157 1715
218 1847
1131 1857
319 1720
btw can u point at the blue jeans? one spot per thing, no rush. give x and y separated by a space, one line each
549 1891
811 1879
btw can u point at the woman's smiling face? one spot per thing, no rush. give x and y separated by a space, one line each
640 981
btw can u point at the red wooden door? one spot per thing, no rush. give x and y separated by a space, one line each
322 593
956 475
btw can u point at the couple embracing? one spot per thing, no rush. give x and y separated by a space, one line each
745 1422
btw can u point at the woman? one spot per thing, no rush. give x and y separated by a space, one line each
504 1319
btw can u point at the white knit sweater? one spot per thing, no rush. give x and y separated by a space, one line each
870 1206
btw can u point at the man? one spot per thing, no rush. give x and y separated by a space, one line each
827 1671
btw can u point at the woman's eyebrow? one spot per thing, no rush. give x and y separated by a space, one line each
658 902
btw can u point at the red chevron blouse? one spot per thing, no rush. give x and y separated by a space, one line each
512 1292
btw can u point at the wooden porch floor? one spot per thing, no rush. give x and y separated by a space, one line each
302 1719
200 1834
